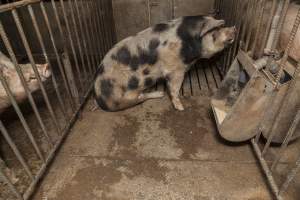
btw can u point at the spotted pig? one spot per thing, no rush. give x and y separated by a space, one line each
165 51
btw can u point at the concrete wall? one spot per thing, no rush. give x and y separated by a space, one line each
132 16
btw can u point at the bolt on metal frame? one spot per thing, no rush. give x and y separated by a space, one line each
270 36
86 32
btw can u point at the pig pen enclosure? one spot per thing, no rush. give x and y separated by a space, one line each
237 138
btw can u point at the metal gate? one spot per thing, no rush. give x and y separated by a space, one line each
260 24
71 37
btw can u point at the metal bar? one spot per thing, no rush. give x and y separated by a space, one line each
105 35
97 35
84 38
86 28
15 150
101 45
29 96
10 185
291 175
71 42
93 44
288 48
36 72
287 139
17 4
250 31
266 170
69 72
60 66
78 40
267 32
259 25
41 42
54 150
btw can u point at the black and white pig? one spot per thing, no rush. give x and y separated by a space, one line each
14 82
165 51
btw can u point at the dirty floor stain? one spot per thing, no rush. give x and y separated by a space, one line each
152 152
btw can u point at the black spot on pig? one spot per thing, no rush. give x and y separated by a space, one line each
134 63
149 56
148 82
146 71
106 88
133 83
123 56
191 45
165 43
160 80
101 103
158 28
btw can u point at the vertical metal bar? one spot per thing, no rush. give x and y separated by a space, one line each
287 139
97 35
69 72
259 25
71 42
88 35
60 66
102 20
41 42
84 38
34 67
78 40
266 170
253 13
15 150
93 44
288 48
19 113
112 23
101 45
268 28
291 175
10 185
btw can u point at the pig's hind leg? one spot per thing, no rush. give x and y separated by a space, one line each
131 99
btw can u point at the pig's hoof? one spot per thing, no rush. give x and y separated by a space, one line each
179 107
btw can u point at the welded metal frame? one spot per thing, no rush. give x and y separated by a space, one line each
266 54
91 45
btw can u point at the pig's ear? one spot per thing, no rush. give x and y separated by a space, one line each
210 25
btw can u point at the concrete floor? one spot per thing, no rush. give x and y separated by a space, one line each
152 152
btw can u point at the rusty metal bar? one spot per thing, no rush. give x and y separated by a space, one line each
287 139
84 38
36 72
93 44
60 66
69 72
20 74
88 34
17 4
98 25
291 175
15 150
266 170
78 40
96 36
71 42
41 42
10 185
54 150
104 32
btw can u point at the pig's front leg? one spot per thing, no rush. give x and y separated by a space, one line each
174 82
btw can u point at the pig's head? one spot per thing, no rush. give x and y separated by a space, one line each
216 40
43 69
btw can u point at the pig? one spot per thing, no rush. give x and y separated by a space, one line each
8 71
164 51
